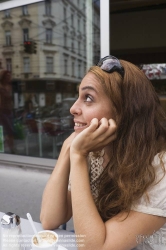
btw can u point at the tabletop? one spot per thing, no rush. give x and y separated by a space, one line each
67 240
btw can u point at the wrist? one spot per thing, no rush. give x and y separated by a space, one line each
77 156
78 153
78 164
64 156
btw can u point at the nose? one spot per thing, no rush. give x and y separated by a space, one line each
75 109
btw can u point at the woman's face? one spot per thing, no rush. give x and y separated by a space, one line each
91 103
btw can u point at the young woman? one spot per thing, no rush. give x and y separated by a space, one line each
115 161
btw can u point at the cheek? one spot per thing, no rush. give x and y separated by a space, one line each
99 114
94 114
89 117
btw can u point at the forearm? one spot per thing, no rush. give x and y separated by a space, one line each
87 220
56 207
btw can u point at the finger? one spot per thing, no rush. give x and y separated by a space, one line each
101 144
107 135
106 127
93 125
112 125
111 133
104 122
103 127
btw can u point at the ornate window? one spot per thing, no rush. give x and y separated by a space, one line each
65 67
26 61
65 40
79 48
79 26
25 10
9 64
8 38
73 68
72 45
49 64
48 35
48 7
25 35
7 13
72 19
79 69
64 14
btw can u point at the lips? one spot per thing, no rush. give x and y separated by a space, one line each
78 125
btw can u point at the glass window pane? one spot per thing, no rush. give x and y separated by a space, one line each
8 38
48 7
48 35
49 64
7 13
25 35
25 10
143 40
26 64
9 64
44 75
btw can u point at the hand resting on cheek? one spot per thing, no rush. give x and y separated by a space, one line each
95 137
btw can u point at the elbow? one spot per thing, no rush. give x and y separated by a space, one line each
45 225
48 224
44 222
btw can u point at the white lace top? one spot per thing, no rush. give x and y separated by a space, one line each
155 206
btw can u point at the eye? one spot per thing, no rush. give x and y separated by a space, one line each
88 98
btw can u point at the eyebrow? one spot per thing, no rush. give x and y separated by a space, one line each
89 87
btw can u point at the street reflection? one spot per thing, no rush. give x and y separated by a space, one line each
47 48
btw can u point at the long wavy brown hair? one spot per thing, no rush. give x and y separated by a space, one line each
140 136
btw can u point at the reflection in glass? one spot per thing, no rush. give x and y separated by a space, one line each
44 84
155 71
157 74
